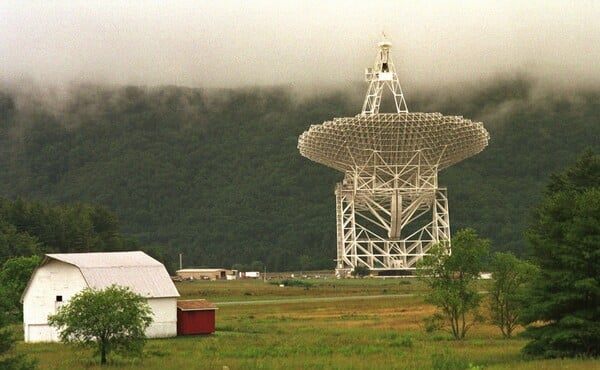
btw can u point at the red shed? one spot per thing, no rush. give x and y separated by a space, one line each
195 317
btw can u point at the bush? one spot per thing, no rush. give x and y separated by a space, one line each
361 271
293 283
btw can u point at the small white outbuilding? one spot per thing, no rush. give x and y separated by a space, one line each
60 276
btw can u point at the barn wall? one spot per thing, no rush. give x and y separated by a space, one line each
165 318
56 278
195 322
53 279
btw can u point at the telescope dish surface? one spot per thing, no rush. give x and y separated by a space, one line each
347 143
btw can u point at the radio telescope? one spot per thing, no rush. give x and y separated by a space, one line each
389 208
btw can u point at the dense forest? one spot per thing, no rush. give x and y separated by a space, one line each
215 173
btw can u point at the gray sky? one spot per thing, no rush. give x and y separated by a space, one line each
231 43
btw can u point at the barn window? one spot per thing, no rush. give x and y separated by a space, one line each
59 298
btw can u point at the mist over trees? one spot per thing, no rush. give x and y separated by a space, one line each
216 175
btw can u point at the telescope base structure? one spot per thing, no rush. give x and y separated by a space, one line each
358 246
388 217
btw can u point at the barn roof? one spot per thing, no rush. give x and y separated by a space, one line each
196 305
138 271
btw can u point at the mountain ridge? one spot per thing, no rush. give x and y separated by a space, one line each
216 175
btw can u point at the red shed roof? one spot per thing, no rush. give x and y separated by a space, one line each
196 305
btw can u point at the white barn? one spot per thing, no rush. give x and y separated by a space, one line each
60 276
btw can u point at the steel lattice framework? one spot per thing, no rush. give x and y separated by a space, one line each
389 207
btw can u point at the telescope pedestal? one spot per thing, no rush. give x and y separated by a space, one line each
389 216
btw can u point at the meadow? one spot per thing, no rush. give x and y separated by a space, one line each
316 324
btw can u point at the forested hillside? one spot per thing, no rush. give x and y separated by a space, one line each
216 175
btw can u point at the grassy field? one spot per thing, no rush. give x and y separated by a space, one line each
371 324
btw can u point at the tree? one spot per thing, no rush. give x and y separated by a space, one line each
451 277
9 360
510 275
304 263
32 227
257 266
14 243
110 319
239 267
563 311
14 276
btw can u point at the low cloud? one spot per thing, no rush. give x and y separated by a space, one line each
304 43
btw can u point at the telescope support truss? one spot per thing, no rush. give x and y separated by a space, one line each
389 209
389 216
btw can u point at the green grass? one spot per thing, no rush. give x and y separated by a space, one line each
241 290
373 333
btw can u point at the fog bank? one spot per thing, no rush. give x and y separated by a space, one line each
304 43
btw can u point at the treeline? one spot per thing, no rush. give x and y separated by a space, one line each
34 228
216 175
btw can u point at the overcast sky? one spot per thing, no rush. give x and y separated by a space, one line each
231 43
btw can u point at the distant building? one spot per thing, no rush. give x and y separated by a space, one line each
206 274
249 275
195 317
60 276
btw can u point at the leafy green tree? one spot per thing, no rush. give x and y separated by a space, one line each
452 277
240 267
257 266
304 263
14 276
110 319
14 243
32 227
563 311
510 275
8 359
157 252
